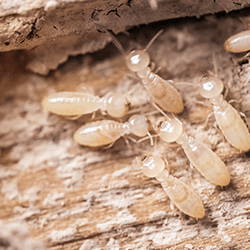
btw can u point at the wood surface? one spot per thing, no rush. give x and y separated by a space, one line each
74 197
53 30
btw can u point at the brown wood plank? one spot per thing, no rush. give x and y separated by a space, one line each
74 197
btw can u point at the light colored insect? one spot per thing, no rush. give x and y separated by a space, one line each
106 132
80 103
239 42
179 193
227 118
162 91
200 155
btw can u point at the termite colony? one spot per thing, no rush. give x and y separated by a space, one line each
165 98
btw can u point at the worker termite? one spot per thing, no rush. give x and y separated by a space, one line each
79 103
179 193
200 155
227 118
106 132
161 91
239 42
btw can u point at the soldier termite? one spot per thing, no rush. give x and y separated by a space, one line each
201 156
79 103
239 42
179 193
106 132
161 91
227 118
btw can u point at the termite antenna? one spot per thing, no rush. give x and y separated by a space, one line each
131 91
117 44
150 113
153 39
176 118
146 138
155 146
215 65
181 83
151 139
160 110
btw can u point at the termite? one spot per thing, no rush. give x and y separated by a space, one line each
106 132
75 104
239 42
179 193
161 91
227 118
201 156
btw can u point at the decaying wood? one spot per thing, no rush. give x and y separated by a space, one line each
74 197
54 30
16 236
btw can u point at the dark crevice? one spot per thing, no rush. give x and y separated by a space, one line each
101 31
33 31
4 243
237 3
113 11
129 3
94 14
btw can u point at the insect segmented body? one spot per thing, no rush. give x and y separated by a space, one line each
80 103
239 42
180 194
200 155
162 92
227 118
105 132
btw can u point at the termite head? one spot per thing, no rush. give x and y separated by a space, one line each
169 130
117 105
152 166
137 60
139 125
210 86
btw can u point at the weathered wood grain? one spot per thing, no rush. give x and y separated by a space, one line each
74 197
53 30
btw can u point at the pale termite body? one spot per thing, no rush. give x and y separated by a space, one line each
106 132
179 193
80 103
227 117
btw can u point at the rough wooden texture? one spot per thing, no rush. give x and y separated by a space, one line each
55 30
16 236
75 197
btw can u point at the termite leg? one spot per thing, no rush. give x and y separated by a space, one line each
73 118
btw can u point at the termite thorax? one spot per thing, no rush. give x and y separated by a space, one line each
148 77
144 73
125 129
184 139
219 104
